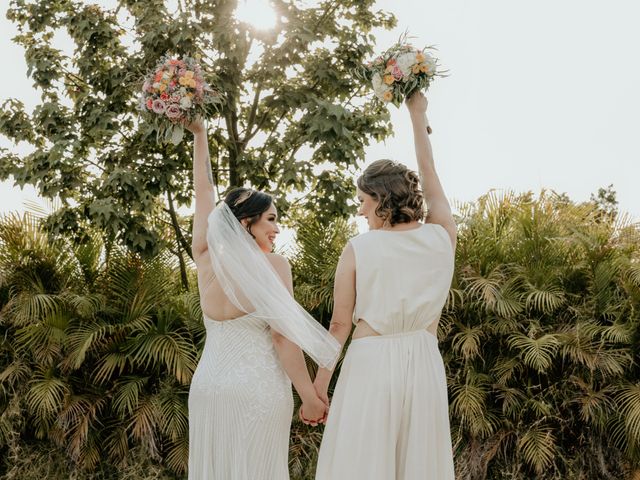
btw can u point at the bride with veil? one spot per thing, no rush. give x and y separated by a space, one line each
240 399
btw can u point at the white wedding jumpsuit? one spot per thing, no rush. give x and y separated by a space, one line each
389 416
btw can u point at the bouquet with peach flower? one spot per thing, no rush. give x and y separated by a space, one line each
400 71
173 94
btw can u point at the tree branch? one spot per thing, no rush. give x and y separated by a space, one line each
248 135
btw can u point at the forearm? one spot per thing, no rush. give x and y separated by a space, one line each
203 183
341 332
431 186
294 365
203 187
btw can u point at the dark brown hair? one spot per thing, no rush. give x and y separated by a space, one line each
248 203
396 188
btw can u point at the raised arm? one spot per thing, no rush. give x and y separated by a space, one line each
204 189
438 208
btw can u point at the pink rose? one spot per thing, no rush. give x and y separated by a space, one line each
173 112
397 73
159 106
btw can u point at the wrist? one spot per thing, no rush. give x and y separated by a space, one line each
308 394
418 116
321 384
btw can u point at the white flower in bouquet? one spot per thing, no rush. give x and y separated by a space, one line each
378 86
185 103
406 61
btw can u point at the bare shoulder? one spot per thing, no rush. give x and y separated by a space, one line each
347 261
348 255
449 225
277 259
279 262
283 269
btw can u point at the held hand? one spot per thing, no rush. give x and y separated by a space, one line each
417 105
313 411
321 391
196 127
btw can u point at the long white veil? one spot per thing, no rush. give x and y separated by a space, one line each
253 286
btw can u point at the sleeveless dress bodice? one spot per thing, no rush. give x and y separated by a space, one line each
402 277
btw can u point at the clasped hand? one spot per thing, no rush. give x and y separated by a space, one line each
314 410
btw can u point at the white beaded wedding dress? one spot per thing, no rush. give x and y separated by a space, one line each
240 399
240 405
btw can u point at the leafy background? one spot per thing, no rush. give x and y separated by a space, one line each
99 316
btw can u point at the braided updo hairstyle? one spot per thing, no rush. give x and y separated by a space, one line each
249 204
396 188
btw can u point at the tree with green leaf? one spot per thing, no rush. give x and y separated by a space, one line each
295 120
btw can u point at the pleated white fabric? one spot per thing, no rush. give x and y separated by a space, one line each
240 405
389 415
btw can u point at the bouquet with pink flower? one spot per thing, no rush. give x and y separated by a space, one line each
400 71
174 94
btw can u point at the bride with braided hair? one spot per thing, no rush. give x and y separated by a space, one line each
389 416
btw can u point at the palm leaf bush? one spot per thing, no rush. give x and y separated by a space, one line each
539 338
540 341
99 352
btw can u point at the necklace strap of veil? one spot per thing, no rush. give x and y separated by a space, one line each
251 283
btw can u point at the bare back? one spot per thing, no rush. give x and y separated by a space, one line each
214 302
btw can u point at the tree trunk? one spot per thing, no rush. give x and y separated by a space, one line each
180 243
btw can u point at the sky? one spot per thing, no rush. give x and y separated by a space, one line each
541 95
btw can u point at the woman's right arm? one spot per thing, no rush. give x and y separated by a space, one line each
438 208
344 301
203 187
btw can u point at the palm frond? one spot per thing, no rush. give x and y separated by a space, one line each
537 353
46 393
467 341
537 446
126 396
